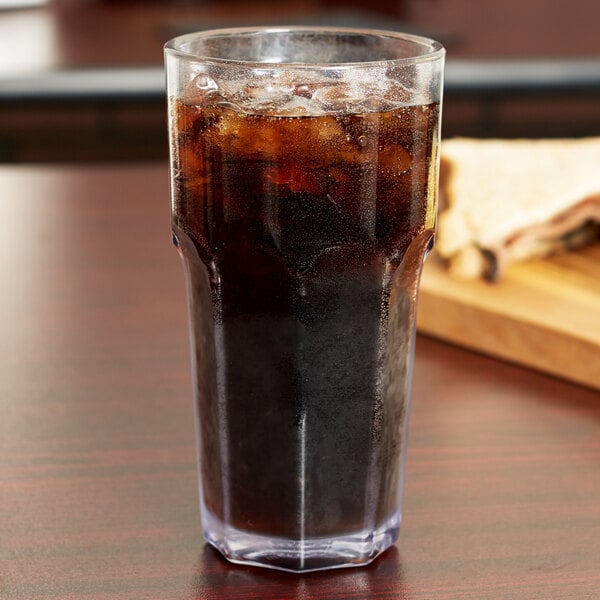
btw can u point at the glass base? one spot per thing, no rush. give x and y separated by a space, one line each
313 554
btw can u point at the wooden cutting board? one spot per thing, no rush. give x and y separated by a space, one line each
544 314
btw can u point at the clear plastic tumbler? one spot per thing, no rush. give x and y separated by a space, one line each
304 167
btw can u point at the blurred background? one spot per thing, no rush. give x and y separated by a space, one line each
82 80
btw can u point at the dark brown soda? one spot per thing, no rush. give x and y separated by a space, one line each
294 231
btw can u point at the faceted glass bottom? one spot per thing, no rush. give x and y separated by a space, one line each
355 549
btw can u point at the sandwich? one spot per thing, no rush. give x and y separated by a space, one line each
503 201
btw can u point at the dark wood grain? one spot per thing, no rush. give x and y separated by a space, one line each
98 495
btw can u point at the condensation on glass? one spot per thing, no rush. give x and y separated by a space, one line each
304 167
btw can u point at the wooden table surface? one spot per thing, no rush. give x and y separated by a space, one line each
98 496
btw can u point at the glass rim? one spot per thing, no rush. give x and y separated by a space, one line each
173 47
